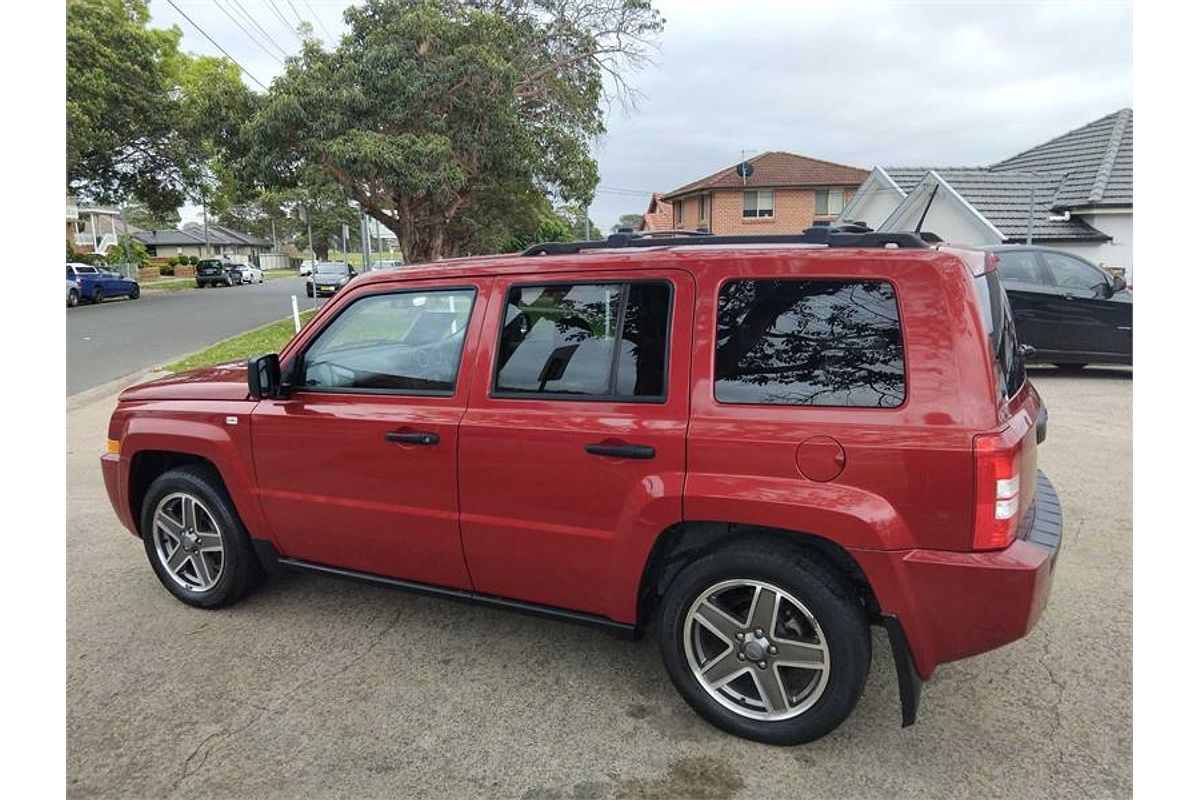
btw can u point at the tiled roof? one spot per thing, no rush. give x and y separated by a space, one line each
168 238
659 216
1003 199
1097 159
777 168
193 234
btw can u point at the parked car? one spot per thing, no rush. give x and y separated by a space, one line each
1069 310
387 264
328 277
214 272
246 273
72 293
306 267
702 441
97 284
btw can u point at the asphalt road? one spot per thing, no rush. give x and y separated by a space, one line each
318 688
120 337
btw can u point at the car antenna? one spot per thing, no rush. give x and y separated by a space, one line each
932 195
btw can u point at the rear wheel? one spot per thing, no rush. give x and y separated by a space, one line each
72 297
97 295
765 643
1071 367
195 541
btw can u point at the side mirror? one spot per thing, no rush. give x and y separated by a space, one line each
263 376
1118 283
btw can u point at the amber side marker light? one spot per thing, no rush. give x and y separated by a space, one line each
114 447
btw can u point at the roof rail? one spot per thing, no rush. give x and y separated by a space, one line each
850 236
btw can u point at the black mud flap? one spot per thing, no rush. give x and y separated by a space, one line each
906 670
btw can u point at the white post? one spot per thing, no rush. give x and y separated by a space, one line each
296 313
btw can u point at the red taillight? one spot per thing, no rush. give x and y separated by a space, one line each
997 492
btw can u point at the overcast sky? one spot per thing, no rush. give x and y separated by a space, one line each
935 84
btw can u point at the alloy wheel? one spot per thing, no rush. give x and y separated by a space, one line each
188 542
756 649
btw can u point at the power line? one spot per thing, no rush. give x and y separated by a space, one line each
250 18
283 19
249 35
214 44
332 38
294 11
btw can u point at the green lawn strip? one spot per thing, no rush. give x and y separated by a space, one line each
271 275
170 284
269 338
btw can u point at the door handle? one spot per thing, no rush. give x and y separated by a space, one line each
640 451
412 437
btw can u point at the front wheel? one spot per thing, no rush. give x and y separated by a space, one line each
195 541
97 295
135 293
72 298
765 642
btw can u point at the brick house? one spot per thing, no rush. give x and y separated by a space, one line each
785 193
659 215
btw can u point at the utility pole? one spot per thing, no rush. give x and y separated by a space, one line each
207 244
312 253
274 238
1029 229
587 223
363 233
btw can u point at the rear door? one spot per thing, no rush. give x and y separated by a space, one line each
1033 299
572 450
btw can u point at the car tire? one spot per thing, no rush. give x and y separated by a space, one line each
1071 367
228 569
135 293
72 298
815 619
97 295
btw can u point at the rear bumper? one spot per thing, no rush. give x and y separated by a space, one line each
952 605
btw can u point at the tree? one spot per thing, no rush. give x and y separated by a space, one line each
143 119
139 215
581 226
627 221
447 119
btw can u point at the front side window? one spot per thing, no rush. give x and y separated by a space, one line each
1072 274
586 340
758 203
809 343
404 342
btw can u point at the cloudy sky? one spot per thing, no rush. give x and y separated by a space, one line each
908 84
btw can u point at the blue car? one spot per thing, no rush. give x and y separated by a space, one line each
97 284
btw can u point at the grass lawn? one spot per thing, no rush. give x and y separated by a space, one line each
170 284
269 338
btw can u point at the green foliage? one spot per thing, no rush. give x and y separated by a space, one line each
193 260
128 250
140 216
83 258
173 261
451 121
627 221
582 227
169 268
144 120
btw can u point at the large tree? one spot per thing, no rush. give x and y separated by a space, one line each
630 221
144 121
446 119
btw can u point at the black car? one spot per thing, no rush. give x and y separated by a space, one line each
1072 312
215 272
329 276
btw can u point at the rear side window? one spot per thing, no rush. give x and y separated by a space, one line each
997 319
1020 266
809 343
585 340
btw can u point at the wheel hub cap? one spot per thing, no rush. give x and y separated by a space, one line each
756 649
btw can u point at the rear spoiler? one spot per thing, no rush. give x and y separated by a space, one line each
979 262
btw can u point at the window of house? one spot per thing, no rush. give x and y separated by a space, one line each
809 343
829 202
677 214
585 340
703 207
405 342
758 203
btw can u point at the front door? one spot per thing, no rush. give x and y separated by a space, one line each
1094 322
572 450
358 467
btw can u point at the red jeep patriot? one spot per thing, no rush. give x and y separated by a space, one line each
758 446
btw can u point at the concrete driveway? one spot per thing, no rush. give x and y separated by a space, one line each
317 688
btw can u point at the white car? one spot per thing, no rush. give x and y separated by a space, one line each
248 272
306 267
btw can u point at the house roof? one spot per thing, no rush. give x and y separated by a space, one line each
192 235
659 216
1097 160
168 238
1002 198
774 169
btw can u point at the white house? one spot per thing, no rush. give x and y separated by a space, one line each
1074 192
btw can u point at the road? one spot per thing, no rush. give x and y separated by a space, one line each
315 687
120 337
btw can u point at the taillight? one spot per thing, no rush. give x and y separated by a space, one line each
997 492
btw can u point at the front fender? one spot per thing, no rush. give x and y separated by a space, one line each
849 516
219 433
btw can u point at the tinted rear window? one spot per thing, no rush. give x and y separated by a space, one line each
998 323
809 343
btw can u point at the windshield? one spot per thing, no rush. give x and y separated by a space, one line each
333 268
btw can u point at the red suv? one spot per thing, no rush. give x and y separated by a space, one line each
757 447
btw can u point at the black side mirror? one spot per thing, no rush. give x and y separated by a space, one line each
263 376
